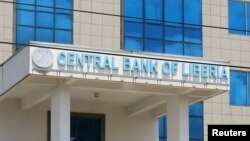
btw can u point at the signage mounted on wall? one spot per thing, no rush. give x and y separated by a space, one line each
128 66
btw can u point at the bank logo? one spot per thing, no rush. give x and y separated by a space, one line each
43 58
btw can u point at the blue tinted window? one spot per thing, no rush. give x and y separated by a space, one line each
196 109
63 21
236 12
173 14
63 6
44 35
25 18
26 4
134 29
238 88
62 36
193 50
162 123
161 23
174 48
45 5
248 18
154 46
133 8
248 89
29 35
192 10
42 22
154 9
133 44
192 35
153 31
173 33
195 128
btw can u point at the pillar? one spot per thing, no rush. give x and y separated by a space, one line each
60 114
178 118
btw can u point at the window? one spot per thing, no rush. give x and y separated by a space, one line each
239 17
162 123
32 26
163 26
195 124
239 88
90 127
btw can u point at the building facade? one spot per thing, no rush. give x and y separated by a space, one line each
204 32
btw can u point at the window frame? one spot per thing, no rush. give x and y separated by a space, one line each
37 9
246 30
247 94
163 24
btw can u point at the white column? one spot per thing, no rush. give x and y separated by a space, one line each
178 122
60 114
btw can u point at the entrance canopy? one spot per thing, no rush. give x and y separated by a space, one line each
135 80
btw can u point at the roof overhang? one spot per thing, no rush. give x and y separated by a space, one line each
42 66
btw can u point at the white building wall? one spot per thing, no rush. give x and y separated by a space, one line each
30 125
219 44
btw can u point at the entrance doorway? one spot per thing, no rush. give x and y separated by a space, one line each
85 127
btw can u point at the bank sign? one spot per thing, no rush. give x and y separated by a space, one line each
128 66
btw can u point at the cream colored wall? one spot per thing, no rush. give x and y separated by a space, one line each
6 30
17 125
219 44
96 30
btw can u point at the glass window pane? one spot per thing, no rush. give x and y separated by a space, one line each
44 22
196 109
63 6
154 9
72 129
236 17
133 44
174 48
44 5
192 35
26 4
192 12
173 11
133 8
195 128
173 33
162 139
153 31
45 35
25 18
154 46
193 50
162 126
248 18
29 35
66 4
134 29
238 88
63 21
62 36
248 89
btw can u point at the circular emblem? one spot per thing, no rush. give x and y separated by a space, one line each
42 57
